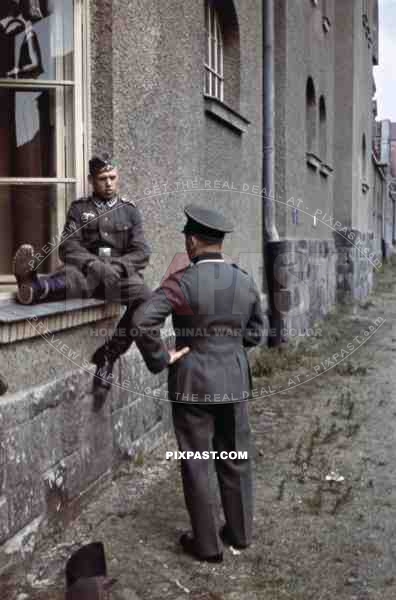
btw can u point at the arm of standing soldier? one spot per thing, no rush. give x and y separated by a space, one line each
254 328
137 254
71 249
148 319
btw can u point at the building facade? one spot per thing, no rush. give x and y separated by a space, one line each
175 92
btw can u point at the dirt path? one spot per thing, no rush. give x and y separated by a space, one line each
326 487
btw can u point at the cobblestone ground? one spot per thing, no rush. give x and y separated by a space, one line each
326 487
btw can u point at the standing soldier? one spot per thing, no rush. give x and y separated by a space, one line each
104 253
216 312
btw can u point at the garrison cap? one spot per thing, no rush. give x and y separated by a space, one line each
97 164
206 223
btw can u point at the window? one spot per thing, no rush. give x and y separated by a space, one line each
311 116
41 122
214 59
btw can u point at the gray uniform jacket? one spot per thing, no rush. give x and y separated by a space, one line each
91 225
216 311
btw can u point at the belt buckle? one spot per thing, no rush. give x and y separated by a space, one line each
104 252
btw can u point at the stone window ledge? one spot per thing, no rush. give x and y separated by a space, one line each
221 112
18 322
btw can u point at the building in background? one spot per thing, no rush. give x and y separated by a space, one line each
180 93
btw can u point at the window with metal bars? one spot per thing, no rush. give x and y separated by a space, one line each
214 59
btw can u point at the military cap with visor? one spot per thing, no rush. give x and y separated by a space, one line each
206 223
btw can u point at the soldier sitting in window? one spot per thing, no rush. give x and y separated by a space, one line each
104 253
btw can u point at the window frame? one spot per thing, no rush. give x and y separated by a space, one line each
214 71
81 114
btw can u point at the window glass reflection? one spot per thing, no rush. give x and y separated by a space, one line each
36 39
30 215
36 133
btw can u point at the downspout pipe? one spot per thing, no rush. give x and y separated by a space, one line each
270 233
270 236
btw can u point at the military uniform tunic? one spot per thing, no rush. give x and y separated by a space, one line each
111 232
216 311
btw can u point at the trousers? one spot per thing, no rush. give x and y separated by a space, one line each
221 427
69 283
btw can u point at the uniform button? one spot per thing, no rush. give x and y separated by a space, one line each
105 233
106 218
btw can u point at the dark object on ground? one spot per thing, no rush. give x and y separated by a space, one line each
86 574
88 561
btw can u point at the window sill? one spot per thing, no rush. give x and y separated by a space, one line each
221 112
18 322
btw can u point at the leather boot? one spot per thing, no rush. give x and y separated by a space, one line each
31 288
104 360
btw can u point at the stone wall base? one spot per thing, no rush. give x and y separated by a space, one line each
306 278
53 446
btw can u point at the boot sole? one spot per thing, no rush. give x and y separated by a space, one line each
22 264
24 273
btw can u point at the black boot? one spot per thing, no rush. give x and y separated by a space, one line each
31 288
104 360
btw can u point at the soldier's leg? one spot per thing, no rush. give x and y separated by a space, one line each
232 433
194 428
68 282
131 293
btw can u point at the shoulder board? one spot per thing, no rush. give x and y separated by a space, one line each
127 201
82 199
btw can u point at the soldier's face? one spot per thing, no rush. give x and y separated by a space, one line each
105 184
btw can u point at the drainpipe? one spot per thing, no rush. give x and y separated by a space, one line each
270 236
270 233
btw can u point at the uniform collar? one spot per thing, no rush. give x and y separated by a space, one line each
208 257
99 203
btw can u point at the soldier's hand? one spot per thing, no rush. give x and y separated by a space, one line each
178 354
104 273
118 268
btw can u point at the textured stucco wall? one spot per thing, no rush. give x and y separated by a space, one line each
160 133
343 132
363 92
303 49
